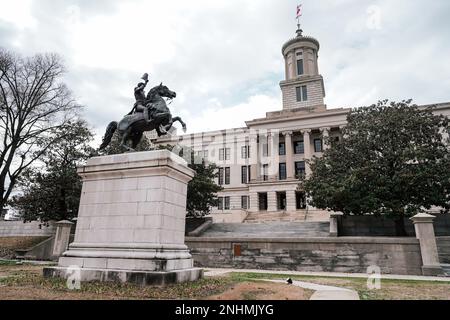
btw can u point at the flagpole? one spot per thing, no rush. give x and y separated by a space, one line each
299 14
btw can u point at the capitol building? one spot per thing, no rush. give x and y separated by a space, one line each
261 162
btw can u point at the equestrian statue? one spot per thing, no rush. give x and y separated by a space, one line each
149 113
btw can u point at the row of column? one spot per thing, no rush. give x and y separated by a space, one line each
307 148
290 170
272 201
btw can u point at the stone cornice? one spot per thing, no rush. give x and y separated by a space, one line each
300 39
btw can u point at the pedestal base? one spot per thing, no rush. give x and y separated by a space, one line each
130 276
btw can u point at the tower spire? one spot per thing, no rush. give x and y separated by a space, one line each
299 14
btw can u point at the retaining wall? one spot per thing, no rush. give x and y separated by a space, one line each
21 229
355 254
373 226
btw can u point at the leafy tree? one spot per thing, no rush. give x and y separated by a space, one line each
202 189
52 191
34 104
394 159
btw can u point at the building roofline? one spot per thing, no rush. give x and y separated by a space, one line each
301 38
281 118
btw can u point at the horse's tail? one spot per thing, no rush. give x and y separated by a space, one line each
110 129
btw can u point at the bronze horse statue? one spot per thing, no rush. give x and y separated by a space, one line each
133 126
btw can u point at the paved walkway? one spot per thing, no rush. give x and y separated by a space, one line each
221 271
323 292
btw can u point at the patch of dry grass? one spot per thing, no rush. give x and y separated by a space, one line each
30 284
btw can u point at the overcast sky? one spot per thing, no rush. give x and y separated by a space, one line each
223 57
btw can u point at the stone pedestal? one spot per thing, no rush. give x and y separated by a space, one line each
131 221
334 230
423 225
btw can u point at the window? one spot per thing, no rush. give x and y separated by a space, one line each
281 200
282 171
220 203
224 154
244 175
262 201
245 202
265 172
203 154
318 145
245 152
220 176
227 203
300 70
299 168
282 149
299 147
302 94
227 175
224 176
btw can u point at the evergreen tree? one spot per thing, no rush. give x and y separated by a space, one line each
394 159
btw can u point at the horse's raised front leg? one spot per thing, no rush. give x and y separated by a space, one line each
180 121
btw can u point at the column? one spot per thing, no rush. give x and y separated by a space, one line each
423 225
307 146
289 154
271 201
291 205
254 202
254 162
62 238
325 137
273 168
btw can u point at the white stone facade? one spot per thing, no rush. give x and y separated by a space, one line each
300 125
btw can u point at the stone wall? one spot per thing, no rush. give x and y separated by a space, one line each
356 254
443 245
20 229
373 226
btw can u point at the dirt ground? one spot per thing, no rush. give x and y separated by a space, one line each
263 291
25 282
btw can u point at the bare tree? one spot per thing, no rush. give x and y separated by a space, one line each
34 105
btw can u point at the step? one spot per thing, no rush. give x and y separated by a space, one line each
278 229
446 268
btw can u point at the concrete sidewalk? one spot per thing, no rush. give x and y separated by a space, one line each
220 271
323 292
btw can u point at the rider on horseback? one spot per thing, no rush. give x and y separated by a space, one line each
139 95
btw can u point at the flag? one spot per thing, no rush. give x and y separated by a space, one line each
299 11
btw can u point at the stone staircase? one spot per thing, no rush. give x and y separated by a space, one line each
280 229
299 215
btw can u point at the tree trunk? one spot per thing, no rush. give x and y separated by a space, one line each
400 230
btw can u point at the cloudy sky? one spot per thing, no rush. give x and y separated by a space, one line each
223 57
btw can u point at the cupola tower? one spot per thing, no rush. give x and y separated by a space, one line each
303 85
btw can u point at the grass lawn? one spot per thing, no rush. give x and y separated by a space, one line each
390 289
26 282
